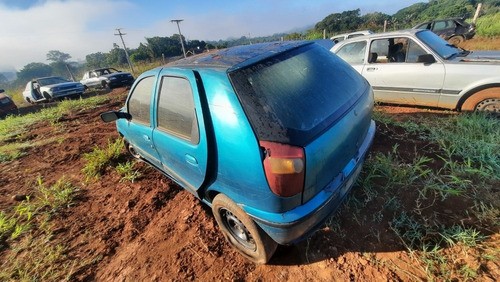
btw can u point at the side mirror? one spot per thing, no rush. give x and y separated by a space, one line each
426 59
112 116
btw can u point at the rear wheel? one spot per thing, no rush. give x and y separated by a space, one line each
456 40
241 231
487 100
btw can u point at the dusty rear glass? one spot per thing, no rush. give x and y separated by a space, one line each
294 96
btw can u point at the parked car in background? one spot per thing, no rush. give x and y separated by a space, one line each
344 36
7 106
272 136
455 30
106 78
51 88
417 67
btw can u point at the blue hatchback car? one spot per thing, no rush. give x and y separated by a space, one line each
272 136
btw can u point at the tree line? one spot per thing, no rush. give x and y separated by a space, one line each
158 48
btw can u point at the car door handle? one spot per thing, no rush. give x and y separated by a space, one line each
371 69
191 160
146 138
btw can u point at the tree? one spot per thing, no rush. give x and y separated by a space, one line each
343 22
33 70
57 56
116 56
96 60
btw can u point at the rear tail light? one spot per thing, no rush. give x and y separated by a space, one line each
284 166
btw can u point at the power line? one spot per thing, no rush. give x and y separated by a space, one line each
125 48
180 36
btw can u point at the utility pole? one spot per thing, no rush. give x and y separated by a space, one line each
125 48
180 36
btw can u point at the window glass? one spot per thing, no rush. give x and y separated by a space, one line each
414 50
353 53
390 50
440 25
140 100
292 97
176 111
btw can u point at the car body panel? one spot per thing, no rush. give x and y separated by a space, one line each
445 83
226 156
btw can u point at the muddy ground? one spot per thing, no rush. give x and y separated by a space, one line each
153 230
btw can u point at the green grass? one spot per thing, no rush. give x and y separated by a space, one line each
127 172
99 159
27 229
401 190
14 128
489 25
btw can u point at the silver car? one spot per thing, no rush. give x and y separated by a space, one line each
50 88
417 67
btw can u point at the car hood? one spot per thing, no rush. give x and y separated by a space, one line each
69 83
481 56
115 74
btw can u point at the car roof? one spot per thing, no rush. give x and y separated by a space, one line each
237 57
367 31
385 34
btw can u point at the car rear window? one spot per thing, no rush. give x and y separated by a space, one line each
295 95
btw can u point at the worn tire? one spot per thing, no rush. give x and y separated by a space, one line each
456 40
484 100
241 231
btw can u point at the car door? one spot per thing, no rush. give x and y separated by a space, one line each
139 129
396 77
179 134
353 53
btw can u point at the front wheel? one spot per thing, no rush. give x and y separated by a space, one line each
456 40
241 231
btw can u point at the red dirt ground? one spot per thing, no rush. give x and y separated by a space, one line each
153 230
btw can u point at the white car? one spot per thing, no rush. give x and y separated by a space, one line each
417 67
50 88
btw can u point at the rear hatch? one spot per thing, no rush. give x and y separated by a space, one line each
310 99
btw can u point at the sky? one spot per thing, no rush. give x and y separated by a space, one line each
31 28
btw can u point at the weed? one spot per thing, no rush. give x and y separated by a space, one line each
60 195
127 172
459 234
98 159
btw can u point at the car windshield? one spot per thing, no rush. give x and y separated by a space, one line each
439 45
105 71
292 97
51 81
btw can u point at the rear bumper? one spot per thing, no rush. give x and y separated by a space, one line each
298 223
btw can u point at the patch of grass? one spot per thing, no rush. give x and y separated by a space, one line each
127 172
99 159
34 256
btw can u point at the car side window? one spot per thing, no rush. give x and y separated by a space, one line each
140 100
440 25
353 53
176 110
414 50
389 50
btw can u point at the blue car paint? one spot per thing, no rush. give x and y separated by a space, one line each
233 159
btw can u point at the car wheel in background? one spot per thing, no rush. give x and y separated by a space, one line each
456 40
485 100
47 96
241 231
